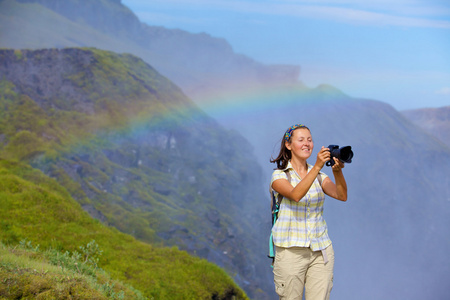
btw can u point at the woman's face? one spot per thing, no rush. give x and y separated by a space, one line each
301 144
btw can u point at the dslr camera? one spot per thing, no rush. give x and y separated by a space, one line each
344 154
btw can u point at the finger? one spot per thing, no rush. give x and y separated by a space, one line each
337 163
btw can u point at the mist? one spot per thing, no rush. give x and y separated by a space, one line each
398 203
391 237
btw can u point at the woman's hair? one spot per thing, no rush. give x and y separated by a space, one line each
285 154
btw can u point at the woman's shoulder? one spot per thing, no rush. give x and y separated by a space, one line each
277 171
278 174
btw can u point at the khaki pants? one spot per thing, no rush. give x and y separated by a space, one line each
299 268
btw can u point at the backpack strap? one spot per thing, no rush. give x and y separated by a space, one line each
275 207
277 202
319 177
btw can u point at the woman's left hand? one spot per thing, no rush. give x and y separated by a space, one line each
338 165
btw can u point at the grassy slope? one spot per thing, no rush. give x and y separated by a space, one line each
26 272
36 208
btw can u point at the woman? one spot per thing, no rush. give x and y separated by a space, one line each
304 257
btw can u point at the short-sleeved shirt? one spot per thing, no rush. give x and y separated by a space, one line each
301 224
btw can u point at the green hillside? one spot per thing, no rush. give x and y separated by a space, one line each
36 208
135 153
29 273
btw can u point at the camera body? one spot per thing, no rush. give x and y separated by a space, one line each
344 154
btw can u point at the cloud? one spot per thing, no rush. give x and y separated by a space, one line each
361 16
443 91
403 13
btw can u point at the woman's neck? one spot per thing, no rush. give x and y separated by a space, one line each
299 165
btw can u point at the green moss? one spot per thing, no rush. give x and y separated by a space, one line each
24 145
7 93
28 273
18 54
37 208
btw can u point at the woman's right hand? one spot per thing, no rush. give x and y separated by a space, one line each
322 157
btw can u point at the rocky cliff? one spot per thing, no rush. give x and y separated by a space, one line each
137 154
436 121
198 63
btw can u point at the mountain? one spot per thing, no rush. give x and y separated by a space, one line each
398 187
435 121
136 153
199 63
57 251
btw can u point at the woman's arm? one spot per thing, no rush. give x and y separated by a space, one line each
339 190
284 187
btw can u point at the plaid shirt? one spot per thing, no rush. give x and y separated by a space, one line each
301 224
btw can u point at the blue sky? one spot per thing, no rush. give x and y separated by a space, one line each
396 51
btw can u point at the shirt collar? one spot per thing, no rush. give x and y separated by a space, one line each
289 166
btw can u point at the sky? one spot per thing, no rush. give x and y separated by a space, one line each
395 51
